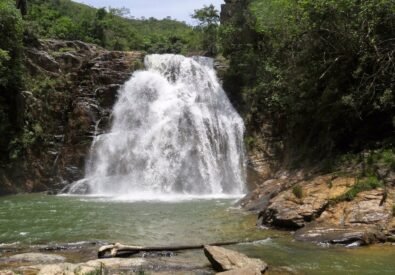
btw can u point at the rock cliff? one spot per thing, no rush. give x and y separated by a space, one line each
72 87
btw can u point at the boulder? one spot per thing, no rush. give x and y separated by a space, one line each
363 220
36 258
115 263
61 269
92 267
223 259
303 203
259 199
329 233
42 60
249 270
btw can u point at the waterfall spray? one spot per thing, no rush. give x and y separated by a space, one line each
174 131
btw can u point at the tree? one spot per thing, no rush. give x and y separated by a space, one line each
99 26
11 29
208 19
321 71
207 16
22 6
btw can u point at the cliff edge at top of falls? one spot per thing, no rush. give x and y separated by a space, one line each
72 87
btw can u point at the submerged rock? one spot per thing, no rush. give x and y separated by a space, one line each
223 259
330 233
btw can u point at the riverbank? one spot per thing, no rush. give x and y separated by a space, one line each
75 228
352 206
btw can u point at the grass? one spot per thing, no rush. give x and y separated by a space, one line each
297 191
366 184
329 183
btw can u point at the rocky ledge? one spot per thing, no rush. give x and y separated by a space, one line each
222 260
72 87
334 208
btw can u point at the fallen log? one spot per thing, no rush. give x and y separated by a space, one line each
120 250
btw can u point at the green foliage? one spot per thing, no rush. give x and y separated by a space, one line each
249 142
11 32
207 16
323 71
42 84
11 29
365 184
297 191
208 19
25 140
382 157
114 29
4 59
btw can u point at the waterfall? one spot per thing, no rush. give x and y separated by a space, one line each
174 131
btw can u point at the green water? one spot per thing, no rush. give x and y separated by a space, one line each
39 219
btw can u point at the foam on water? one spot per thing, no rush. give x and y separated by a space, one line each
174 134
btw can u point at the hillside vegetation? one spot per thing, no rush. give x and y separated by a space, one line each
323 73
114 29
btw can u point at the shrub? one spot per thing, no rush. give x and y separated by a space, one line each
366 184
297 191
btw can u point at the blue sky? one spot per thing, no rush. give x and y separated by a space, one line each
179 9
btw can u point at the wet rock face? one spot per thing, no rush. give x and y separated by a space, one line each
79 85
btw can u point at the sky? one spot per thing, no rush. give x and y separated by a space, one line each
177 9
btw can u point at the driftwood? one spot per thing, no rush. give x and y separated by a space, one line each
120 250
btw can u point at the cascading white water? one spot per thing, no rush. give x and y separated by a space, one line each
174 131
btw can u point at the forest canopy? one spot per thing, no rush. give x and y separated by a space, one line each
112 28
324 71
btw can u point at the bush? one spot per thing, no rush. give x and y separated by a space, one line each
297 191
366 184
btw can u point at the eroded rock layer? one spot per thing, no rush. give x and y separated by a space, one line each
73 86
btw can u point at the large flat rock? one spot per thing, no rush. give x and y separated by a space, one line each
249 270
363 220
223 259
36 258
287 210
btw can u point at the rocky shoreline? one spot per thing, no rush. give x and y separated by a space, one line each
218 260
337 208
